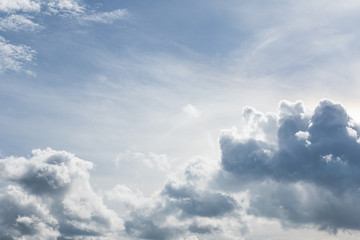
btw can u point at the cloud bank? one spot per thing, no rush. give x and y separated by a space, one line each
305 172
298 166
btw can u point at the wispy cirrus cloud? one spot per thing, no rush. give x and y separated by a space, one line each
20 15
106 17
17 23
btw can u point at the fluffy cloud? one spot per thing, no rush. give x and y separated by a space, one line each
184 208
51 196
302 173
23 214
309 175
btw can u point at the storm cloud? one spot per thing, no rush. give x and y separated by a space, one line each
305 172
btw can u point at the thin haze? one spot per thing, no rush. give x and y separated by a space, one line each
179 119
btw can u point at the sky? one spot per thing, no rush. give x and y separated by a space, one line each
183 120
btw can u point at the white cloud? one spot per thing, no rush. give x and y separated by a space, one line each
72 7
13 57
52 196
191 111
19 5
17 23
106 17
127 196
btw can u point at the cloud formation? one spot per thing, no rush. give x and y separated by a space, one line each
184 208
305 172
24 15
50 196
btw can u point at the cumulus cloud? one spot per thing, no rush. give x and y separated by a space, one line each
50 196
182 209
25 215
309 175
297 166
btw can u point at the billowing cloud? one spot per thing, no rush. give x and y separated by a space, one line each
305 172
25 215
51 196
195 202
183 208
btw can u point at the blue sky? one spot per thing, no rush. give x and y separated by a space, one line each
149 93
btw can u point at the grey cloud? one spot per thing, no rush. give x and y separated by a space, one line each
196 227
303 203
181 209
194 202
22 214
318 151
59 181
144 228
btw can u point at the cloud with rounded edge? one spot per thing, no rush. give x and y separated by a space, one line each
309 175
